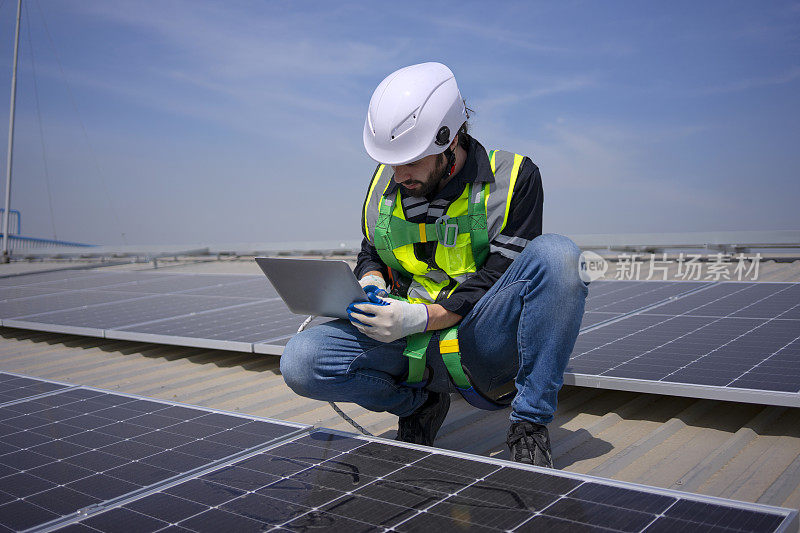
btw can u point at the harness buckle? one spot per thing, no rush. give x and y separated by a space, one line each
446 231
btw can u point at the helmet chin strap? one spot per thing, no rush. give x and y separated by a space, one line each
451 161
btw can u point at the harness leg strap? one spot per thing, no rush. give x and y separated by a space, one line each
416 345
451 355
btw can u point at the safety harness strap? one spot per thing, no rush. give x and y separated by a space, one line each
416 345
479 232
382 240
392 232
451 355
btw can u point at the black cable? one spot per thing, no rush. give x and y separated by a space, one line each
335 407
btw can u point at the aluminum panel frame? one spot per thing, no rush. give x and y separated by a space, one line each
267 349
687 390
54 328
174 340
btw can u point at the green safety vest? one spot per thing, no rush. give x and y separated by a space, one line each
462 234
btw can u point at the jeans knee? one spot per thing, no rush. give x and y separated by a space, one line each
559 258
297 363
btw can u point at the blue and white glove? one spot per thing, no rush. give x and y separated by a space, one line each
372 280
387 320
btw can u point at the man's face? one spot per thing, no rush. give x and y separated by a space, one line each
420 178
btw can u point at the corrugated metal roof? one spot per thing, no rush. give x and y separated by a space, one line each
742 451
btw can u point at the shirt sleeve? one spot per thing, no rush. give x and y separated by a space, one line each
368 259
523 225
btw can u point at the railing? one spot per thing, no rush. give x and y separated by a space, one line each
718 241
13 230
18 243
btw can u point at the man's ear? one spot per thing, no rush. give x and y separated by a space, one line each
455 142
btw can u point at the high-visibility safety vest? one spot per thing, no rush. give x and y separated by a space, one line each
463 234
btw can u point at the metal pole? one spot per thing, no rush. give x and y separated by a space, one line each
7 212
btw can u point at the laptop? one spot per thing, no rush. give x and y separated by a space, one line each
319 287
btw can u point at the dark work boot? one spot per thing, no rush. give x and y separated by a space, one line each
421 426
529 443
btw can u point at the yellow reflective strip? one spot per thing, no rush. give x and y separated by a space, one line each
491 162
369 197
514 172
448 346
422 236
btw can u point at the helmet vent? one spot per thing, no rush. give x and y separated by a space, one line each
408 123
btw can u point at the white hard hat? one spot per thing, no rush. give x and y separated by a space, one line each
415 112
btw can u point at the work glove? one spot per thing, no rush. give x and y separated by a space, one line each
387 320
372 283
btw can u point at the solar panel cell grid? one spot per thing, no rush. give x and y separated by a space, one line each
333 482
746 300
624 297
62 452
93 280
712 342
64 300
133 311
612 299
248 323
34 278
13 388
10 293
591 318
256 287
172 283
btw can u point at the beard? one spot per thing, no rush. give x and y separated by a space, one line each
435 177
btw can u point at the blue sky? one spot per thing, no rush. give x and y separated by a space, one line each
241 121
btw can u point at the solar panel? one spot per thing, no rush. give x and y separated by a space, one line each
89 460
732 341
232 329
90 280
627 296
608 300
81 447
64 300
9 293
724 340
337 482
131 311
231 312
34 278
251 287
172 283
14 388
274 345
739 300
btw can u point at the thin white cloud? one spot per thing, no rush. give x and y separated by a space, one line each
545 88
248 58
587 158
788 76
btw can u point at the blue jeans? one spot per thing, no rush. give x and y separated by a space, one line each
523 328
